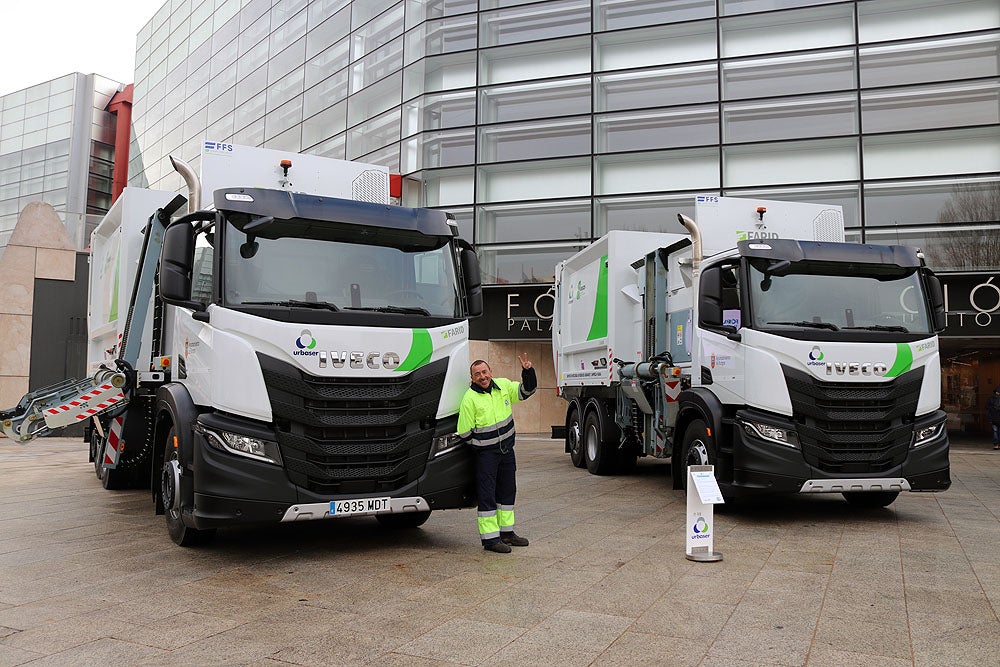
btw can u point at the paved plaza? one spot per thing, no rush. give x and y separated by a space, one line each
89 577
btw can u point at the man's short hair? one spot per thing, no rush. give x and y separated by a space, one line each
476 363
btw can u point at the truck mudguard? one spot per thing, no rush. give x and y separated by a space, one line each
696 403
174 406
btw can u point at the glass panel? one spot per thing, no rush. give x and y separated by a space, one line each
326 93
386 28
533 222
791 162
938 60
387 156
328 33
535 61
534 100
445 187
616 14
319 10
363 11
931 107
691 169
440 73
731 7
884 20
286 61
283 34
255 58
655 46
656 88
250 86
932 202
282 118
333 59
519 265
812 28
848 197
376 65
437 37
534 180
947 249
788 75
435 112
524 141
438 149
335 147
325 124
642 214
792 118
543 20
418 11
373 134
673 128
932 153
284 90
374 99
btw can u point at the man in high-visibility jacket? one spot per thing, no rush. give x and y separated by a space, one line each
486 421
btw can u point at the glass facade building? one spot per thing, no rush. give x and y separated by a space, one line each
542 125
57 146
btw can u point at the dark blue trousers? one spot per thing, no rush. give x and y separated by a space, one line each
496 489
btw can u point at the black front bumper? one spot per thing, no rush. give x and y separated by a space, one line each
761 466
230 489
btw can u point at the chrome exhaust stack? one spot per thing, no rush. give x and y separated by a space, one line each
192 182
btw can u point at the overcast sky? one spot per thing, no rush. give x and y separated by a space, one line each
45 39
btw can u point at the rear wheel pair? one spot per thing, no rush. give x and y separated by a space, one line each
592 439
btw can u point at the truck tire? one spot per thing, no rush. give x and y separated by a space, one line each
574 435
404 521
601 458
698 447
870 499
181 535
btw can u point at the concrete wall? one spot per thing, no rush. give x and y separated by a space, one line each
39 247
543 410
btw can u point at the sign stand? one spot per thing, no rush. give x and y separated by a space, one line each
702 495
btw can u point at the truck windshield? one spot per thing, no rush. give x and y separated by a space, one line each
834 297
336 275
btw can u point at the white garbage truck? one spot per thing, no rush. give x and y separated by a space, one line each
297 349
757 341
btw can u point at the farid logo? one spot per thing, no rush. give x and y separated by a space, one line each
305 342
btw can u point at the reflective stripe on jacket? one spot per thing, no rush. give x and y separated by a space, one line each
486 416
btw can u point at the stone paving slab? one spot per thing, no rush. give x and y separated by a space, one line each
89 576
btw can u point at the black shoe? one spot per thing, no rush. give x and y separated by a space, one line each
513 539
497 547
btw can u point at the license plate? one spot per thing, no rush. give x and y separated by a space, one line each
359 506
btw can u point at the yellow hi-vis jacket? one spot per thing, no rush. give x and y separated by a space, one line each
486 417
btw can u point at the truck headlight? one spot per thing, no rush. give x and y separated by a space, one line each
771 433
443 444
925 434
242 445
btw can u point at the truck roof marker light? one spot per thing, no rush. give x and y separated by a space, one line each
285 166
761 210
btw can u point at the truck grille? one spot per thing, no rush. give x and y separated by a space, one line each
353 435
854 428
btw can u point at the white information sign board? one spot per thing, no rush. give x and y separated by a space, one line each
703 494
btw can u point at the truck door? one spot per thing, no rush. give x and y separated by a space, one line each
718 352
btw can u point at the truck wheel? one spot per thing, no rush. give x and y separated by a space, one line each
574 436
870 498
599 457
170 488
699 450
403 521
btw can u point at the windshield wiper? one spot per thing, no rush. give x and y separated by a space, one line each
294 303
883 327
815 325
392 309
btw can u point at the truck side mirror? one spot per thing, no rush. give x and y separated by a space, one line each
935 294
710 311
177 266
473 281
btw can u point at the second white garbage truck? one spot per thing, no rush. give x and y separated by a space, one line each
758 342
296 350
